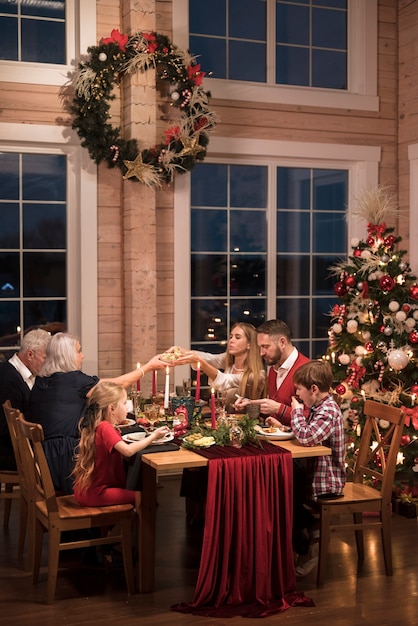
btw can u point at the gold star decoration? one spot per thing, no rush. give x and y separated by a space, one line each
144 172
191 147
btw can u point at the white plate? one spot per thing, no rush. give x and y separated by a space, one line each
278 435
168 437
130 437
128 422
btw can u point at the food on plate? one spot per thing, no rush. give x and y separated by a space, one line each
142 421
172 355
197 439
270 429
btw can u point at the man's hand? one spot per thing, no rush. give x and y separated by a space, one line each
295 404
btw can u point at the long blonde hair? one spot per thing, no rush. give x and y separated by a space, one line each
104 394
252 381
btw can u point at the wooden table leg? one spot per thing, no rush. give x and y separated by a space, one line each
146 530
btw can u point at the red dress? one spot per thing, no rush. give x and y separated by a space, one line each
108 479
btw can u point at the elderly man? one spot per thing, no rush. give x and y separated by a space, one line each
17 376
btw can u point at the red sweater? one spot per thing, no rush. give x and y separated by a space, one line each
286 391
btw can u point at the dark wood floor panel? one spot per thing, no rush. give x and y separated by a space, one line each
87 595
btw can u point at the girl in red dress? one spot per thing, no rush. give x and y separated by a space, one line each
99 472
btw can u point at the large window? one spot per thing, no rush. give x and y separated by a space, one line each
305 39
33 239
33 31
230 267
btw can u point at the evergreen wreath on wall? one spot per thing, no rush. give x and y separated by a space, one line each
185 141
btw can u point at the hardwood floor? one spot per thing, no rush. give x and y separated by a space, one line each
88 595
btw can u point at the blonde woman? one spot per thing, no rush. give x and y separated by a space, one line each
99 472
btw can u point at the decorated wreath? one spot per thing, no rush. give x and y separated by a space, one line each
185 141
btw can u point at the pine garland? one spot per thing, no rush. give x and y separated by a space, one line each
185 142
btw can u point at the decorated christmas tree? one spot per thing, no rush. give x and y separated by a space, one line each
373 335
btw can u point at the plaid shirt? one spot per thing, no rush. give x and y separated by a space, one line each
324 425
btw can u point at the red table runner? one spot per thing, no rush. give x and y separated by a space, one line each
247 565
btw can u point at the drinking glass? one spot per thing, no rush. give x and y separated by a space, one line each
187 386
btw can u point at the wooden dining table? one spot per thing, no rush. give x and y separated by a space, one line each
160 463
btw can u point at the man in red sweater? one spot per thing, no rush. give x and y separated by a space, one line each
283 359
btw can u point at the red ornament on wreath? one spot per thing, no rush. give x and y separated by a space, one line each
340 289
386 283
413 292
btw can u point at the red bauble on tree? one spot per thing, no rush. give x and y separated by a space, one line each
350 281
413 292
413 336
340 289
340 389
386 283
414 389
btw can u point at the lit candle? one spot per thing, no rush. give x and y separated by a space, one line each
212 408
198 382
167 387
138 382
333 357
154 382
413 398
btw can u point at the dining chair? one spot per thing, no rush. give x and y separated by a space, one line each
9 479
371 488
56 514
27 503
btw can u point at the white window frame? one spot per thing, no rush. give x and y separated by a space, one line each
80 23
362 66
362 163
81 224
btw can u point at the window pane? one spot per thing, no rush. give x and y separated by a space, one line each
295 312
292 24
252 311
247 61
329 29
242 27
44 177
40 313
9 176
9 219
44 274
42 41
44 226
248 186
248 231
322 281
9 36
9 275
207 17
293 188
329 190
209 320
209 230
293 231
293 275
329 232
208 275
292 66
46 8
9 322
210 185
8 7
211 53
248 275
329 69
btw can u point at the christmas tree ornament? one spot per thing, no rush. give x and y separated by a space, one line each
385 258
384 424
413 337
413 292
344 359
414 389
400 316
352 326
388 330
350 281
340 289
406 308
386 283
393 306
397 360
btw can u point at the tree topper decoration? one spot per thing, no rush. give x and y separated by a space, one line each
185 141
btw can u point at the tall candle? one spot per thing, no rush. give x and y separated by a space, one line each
154 382
212 408
198 382
138 382
167 387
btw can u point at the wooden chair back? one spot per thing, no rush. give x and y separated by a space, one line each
10 480
56 514
379 447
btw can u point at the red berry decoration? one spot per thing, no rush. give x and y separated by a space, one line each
386 283
340 289
340 389
368 346
370 241
350 281
406 308
405 440
413 292
357 252
389 241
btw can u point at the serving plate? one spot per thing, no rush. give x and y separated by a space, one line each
277 435
127 422
192 443
130 437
